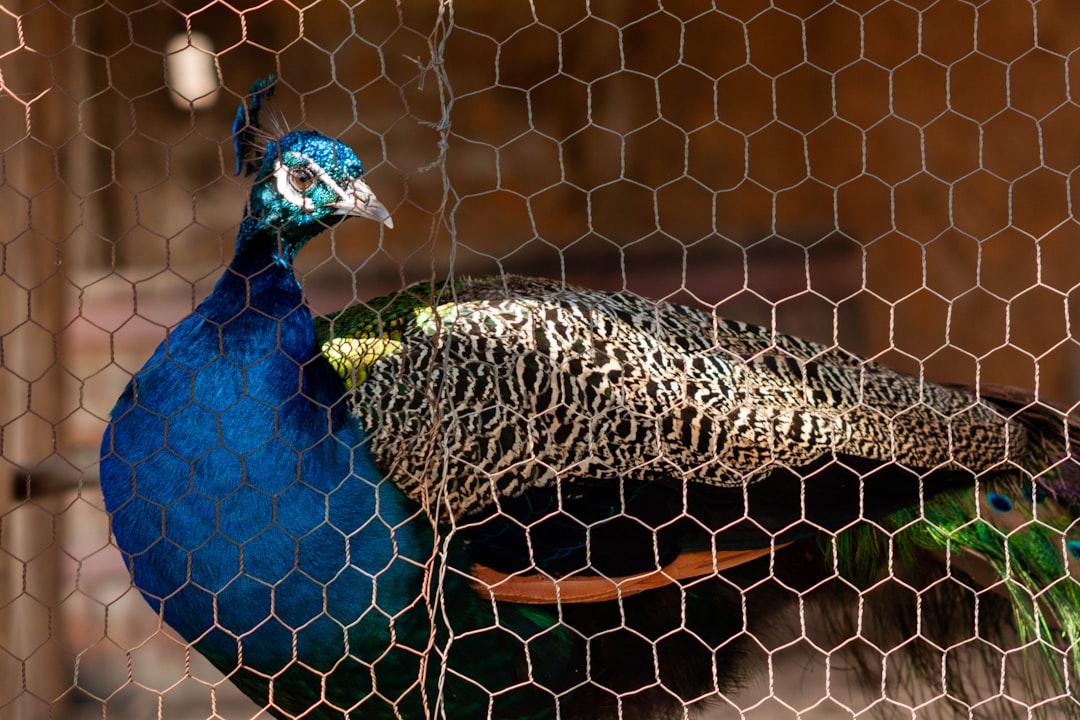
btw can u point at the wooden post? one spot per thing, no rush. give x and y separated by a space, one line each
35 671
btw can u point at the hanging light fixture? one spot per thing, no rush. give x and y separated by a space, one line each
192 72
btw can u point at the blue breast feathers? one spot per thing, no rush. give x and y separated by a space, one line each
241 493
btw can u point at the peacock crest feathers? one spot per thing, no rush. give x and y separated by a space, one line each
257 125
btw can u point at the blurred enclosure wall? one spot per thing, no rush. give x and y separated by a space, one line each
893 177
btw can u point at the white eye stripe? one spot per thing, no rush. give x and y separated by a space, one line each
297 198
325 177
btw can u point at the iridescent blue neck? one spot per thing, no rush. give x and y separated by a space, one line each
260 241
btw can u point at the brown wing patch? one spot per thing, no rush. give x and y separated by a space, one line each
540 589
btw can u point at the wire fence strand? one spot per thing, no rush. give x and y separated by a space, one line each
889 178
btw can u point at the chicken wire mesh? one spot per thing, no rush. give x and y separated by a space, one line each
889 178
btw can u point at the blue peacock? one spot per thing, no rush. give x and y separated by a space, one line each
512 498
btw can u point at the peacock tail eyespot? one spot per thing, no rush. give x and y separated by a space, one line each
999 502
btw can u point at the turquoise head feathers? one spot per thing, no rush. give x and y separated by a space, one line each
304 181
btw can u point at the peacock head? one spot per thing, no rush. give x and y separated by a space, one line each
305 181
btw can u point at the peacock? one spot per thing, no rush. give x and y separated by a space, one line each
509 497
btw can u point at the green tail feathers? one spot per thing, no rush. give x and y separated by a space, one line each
1007 546
1023 536
1008 530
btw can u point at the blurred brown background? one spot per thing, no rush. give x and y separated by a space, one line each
892 177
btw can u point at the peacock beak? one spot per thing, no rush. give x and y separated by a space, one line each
360 201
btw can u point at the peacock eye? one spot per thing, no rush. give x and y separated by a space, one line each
999 502
302 178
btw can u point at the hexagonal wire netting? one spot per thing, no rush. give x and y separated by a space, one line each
890 178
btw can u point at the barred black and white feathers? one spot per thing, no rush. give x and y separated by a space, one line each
531 382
